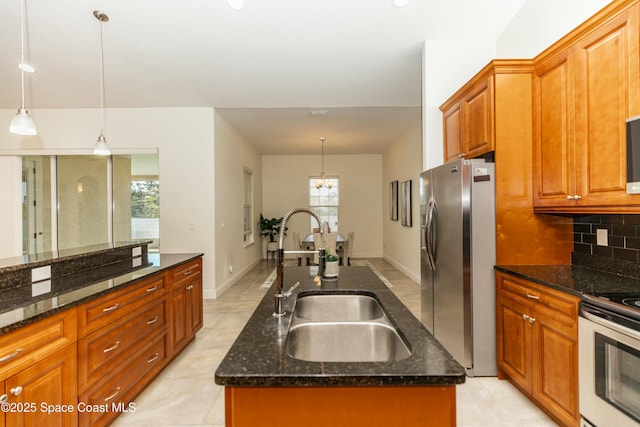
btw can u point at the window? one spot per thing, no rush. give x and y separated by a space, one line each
325 201
247 208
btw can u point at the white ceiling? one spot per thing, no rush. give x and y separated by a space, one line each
264 68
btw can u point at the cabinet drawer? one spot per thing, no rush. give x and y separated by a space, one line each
556 305
107 344
19 349
122 387
186 272
108 309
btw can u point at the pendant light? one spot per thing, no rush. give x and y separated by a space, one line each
101 148
22 124
323 182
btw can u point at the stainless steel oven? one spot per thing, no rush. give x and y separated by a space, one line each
609 354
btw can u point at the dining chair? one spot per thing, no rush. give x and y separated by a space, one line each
328 244
297 244
349 246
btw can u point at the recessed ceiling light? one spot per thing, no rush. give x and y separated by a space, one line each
400 3
318 112
236 4
26 68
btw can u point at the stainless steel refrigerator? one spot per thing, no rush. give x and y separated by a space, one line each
457 227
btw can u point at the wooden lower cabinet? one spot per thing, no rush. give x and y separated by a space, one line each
38 373
537 345
186 304
340 406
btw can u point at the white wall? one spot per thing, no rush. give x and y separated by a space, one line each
402 161
447 65
11 203
233 153
285 180
540 23
184 138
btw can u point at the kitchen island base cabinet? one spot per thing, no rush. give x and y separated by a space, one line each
340 406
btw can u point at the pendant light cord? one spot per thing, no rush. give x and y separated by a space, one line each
22 16
101 80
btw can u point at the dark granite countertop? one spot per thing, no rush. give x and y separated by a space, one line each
574 279
44 258
258 357
18 309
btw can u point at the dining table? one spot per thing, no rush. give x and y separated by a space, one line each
308 244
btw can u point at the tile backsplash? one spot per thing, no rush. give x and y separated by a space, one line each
622 235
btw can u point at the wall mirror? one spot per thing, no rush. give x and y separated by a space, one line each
71 201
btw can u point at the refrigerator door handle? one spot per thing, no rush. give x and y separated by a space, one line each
430 234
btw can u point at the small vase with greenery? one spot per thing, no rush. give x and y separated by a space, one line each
331 264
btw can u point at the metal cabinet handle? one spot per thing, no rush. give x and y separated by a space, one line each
152 321
108 398
10 356
4 398
16 391
531 296
524 316
113 307
113 347
186 273
153 358
531 319
574 197
152 289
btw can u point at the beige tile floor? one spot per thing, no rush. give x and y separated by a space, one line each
185 393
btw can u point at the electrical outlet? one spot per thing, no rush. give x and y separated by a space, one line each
601 237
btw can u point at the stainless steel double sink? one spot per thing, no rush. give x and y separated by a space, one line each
343 327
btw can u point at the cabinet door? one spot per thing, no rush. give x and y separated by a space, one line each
452 134
555 383
607 88
553 154
514 341
477 118
181 329
196 306
51 381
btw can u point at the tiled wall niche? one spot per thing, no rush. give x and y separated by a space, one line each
623 235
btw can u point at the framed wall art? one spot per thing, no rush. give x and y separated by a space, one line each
393 200
405 203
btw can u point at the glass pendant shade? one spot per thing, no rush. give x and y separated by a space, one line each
22 123
101 148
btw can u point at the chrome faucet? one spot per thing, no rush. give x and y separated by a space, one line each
280 296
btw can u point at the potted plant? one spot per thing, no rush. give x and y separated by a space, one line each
271 228
331 264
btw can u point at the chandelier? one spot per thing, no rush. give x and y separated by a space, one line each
323 182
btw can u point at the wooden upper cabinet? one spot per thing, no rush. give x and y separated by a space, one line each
478 120
554 164
452 134
468 119
583 93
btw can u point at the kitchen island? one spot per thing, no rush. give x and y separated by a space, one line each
91 329
263 383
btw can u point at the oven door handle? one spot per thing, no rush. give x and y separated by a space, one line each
595 316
